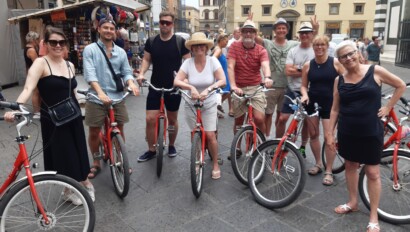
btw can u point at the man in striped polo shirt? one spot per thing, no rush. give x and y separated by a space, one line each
245 60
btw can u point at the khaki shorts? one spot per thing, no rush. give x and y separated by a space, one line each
258 102
95 114
274 99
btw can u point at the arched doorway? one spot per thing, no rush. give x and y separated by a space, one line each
291 16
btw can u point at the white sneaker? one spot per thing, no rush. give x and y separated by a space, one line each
90 189
70 196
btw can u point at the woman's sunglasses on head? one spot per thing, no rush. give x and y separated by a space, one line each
53 43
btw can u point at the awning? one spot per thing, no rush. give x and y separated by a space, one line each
130 4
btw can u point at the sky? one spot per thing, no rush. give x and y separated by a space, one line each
194 3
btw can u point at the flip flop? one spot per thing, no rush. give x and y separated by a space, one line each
327 179
230 114
216 174
94 171
313 171
373 227
344 209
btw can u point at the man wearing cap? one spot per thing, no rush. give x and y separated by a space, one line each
165 51
297 56
98 75
245 59
277 49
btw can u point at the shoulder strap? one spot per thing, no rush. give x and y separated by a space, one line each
51 73
179 40
108 61
151 40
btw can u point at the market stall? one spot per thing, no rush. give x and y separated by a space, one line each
79 21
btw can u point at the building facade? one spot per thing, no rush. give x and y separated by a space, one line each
192 15
352 17
209 16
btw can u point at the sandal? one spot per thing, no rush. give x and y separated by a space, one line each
216 174
327 179
94 171
230 114
373 227
238 154
313 171
345 209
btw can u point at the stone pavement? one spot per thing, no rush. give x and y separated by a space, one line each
167 203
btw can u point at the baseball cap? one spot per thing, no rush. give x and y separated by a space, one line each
305 26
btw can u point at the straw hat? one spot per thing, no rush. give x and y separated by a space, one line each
306 26
199 38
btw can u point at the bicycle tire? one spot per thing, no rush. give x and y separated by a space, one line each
160 146
19 211
197 165
393 206
120 167
240 163
277 189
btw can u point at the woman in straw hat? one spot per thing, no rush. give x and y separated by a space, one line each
200 75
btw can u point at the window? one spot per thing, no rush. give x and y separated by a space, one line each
206 14
310 9
266 10
215 2
358 8
334 9
207 2
189 13
216 14
245 10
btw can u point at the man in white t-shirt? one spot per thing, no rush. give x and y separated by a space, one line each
236 37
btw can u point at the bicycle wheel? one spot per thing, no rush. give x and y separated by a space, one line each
242 149
197 165
279 187
160 144
19 211
394 203
338 164
120 167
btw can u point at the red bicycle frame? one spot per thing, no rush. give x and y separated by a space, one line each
200 127
109 126
22 160
161 114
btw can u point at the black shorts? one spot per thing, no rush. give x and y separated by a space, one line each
286 102
323 113
325 104
172 101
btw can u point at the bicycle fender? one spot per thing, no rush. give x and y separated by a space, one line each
25 177
291 144
400 149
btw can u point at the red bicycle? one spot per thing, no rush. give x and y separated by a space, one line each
246 139
112 147
199 146
161 123
394 175
281 163
40 201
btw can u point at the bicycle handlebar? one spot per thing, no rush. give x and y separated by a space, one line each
146 83
262 88
87 94
214 90
10 105
298 104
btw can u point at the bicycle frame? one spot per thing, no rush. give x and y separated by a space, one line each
199 127
161 114
22 160
110 125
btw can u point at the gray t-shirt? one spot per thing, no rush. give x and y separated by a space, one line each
277 58
298 56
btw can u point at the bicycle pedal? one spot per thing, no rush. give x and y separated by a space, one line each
98 156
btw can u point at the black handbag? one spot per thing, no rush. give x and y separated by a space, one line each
64 111
118 78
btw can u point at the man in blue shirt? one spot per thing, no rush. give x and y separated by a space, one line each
374 50
97 73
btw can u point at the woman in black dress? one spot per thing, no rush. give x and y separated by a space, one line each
65 148
357 111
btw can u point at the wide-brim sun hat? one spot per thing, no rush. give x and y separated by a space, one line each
199 38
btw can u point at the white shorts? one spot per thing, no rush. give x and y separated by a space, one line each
209 117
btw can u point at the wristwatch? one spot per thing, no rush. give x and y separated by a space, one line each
209 89
299 70
268 78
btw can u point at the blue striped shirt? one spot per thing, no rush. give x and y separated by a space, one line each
97 69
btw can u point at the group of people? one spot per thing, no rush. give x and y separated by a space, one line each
347 91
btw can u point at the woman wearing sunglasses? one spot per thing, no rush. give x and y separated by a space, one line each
357 111
65 148
201 74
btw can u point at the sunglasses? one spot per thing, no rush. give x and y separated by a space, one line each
165 22
304 32
348 55
53 43
245 31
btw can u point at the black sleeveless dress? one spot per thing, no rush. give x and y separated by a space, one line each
360 130
65 148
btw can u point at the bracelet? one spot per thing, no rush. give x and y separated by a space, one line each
299 70
268 77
